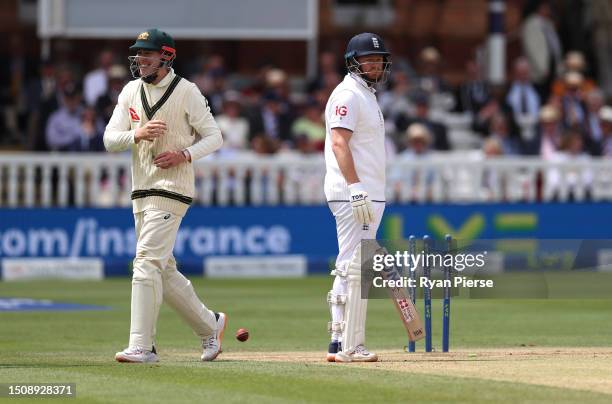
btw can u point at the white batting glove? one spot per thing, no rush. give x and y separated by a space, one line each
362 207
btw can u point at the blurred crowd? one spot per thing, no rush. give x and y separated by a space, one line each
550 105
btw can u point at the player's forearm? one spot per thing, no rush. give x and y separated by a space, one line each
206 146
345 161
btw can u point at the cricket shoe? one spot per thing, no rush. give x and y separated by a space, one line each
334 348
212 345
359 354
136 355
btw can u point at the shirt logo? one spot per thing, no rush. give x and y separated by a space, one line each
375 42
341 110
133 115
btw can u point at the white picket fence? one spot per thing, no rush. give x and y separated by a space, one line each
103 180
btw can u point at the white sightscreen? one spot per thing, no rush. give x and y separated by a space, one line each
206 19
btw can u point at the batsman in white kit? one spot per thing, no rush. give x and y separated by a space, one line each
166 123
354 187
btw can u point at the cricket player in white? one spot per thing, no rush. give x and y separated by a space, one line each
166 123
354 187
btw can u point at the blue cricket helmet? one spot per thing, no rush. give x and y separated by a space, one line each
365 44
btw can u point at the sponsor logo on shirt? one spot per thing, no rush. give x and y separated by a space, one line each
341 110
133 115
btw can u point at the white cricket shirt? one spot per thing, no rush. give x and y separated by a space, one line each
353 106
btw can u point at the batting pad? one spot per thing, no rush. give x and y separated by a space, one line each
355 308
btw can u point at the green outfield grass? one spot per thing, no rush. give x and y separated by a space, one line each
290 316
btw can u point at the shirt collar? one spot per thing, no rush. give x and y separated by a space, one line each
360 81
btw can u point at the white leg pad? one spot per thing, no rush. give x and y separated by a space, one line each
335 327
337 300
355 308
333 298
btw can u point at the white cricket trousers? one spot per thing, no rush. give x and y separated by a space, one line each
156 278
349 233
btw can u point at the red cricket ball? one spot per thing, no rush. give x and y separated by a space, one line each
242 334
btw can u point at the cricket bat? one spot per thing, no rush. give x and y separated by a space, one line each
408 313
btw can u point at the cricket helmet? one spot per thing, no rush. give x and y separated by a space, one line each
365 44
153 40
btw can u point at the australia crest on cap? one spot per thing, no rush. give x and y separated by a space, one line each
144 36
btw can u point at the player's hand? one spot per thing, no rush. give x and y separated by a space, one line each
169 159
362 207
151 131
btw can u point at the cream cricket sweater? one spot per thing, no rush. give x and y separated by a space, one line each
191 126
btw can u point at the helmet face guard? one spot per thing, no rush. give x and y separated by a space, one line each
166 59
354 66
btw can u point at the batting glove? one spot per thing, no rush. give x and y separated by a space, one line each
362 207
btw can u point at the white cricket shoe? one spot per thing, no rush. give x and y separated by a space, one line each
212 345
136 355
359 354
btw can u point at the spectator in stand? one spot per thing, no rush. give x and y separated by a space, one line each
409 184
593 126
475 92
95 82
328 67
574 62
92 131
234 127
601 25
272 120
63 78
418 141
311 125
571 150
397 99
303 144
216 96
522 98
496 105
64 128
431 82
492 148
548 141
41 91
277 81
430 79
541 45
211 80
262 144
573 108
500 132
15 71
605 146
421 115
105 104
330 81
213 66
